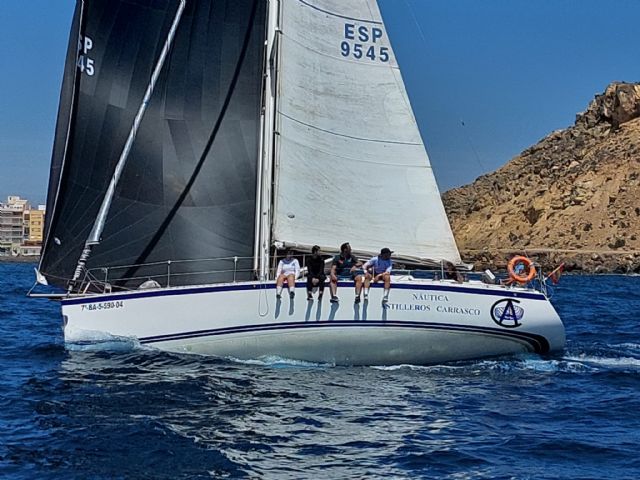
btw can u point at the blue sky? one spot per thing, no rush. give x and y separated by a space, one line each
511 70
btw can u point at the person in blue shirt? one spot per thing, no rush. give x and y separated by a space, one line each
379 269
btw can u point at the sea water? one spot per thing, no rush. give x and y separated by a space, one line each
121 411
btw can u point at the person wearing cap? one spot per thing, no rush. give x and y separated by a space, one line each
346 266
377 269
315 273
289 270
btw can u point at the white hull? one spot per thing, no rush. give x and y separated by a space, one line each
425 322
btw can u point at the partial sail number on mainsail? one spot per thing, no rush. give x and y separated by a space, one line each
85 63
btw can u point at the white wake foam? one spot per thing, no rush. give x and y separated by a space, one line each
609 362
96 341
276 361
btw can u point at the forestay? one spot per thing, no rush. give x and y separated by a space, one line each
350 161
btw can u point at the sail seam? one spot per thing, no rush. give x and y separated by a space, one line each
361 160
395 142
333 14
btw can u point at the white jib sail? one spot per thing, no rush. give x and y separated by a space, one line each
350 163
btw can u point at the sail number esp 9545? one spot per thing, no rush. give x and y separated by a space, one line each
362 42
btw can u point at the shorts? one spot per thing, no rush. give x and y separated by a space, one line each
350 275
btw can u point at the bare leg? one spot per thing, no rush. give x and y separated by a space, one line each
291 282
367 281
367 284
387 286
279 284
333 286
358 281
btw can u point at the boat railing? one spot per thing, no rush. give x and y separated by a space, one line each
176 272
232 269
167 274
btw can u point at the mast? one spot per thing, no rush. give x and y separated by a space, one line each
98 225
268 143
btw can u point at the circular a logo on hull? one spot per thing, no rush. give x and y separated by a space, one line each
507 313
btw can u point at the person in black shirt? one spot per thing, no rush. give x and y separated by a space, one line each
315 273
346 266
452 274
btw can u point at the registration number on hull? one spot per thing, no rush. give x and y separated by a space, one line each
94 307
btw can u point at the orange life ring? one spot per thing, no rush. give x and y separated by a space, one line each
530 270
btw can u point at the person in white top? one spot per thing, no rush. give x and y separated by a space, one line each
289 270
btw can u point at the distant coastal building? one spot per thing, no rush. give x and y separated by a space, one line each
21 228
11 225
34 224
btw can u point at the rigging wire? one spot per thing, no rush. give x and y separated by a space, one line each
262 294
472 146
415 20
483 168
462 122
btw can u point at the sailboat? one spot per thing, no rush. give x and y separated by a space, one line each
196 140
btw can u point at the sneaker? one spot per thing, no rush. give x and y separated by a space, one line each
385 300
278 296
334 299
357 300
310 296
292 295
366 297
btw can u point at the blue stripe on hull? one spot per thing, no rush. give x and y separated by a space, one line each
538 343
257 286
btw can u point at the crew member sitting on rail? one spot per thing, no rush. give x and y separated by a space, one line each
315 273
345 266
289 270
376 269
452 274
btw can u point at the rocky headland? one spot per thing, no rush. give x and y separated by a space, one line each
573 197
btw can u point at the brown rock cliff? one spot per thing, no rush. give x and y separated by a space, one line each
574 196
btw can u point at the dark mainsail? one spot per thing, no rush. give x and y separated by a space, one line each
188 190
